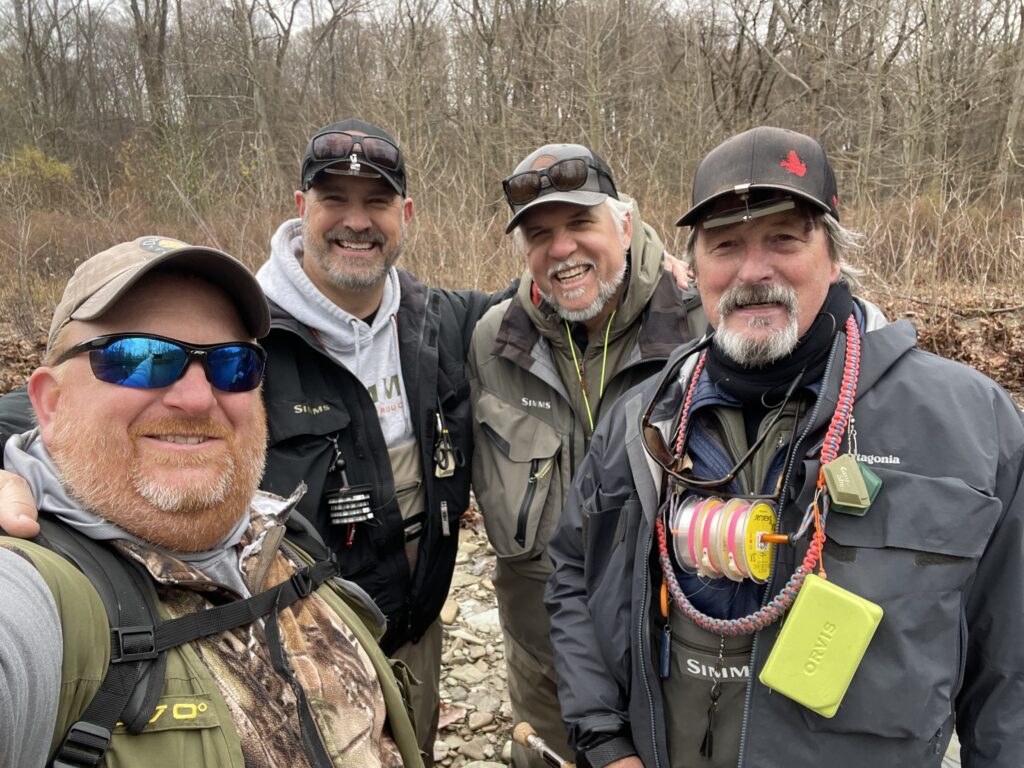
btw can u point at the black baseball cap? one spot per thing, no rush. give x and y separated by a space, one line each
379 164
764 158
598 186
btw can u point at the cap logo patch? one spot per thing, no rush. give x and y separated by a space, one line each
160 244
353 163
794 164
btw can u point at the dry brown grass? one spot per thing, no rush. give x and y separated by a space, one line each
955 270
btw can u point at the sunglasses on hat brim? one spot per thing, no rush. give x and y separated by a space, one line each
341 145
565 176
147 361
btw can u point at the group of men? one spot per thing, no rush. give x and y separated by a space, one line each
623 437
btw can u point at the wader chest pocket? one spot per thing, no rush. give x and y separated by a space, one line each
515 478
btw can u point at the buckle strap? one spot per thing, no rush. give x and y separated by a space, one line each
87 741
136 643
83 747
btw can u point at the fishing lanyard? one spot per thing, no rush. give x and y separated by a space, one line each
579 370
815 514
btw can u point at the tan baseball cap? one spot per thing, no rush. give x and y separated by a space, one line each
101 280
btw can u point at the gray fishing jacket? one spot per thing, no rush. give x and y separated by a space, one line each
941 550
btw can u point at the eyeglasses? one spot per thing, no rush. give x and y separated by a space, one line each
656 448
340 145
145 361
747 211
565 176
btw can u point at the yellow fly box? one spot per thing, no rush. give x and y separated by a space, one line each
820 645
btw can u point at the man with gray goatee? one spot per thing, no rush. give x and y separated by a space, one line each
804 462
594 314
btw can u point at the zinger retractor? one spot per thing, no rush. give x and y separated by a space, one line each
714 538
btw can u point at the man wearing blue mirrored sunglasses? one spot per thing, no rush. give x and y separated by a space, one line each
150 445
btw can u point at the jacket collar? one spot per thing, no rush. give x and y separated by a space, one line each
661 318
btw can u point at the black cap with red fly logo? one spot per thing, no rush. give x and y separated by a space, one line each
764 158
354 148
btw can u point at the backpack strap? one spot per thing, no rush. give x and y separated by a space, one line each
139 640
135 675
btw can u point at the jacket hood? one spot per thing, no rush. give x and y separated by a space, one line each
644 268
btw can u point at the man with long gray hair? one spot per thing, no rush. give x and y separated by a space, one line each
804 461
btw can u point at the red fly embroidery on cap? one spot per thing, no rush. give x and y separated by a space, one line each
794 164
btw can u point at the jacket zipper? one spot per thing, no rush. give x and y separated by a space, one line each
787 476
446 526
531 491
644 585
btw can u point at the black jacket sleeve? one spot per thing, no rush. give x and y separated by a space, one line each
16 415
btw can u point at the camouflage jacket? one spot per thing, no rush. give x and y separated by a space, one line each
222 703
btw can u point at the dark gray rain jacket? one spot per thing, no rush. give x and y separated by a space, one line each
941 550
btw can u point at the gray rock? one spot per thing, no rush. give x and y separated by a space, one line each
440 751
469 674
474 749
484 621
478 720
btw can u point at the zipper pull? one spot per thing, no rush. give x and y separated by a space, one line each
665 656
446 526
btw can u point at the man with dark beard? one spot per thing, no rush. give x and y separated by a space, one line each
148 452
595 314
366 392
804 461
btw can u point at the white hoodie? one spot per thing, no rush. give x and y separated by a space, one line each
370 351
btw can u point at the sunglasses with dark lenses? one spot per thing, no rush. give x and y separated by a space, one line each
679 469
339 145
145 361
565 176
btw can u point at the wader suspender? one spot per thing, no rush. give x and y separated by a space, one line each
138 639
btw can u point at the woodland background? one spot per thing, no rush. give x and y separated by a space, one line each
188 118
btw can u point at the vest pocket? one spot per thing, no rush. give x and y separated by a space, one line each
183 730
513 476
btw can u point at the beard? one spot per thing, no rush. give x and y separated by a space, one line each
606 290
344 274
184 502
760 351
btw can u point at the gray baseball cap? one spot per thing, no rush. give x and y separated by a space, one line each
534 182
764 158
101 280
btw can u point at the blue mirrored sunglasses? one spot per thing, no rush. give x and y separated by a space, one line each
146 361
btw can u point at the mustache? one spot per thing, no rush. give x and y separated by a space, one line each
371 236
197 427
761 293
